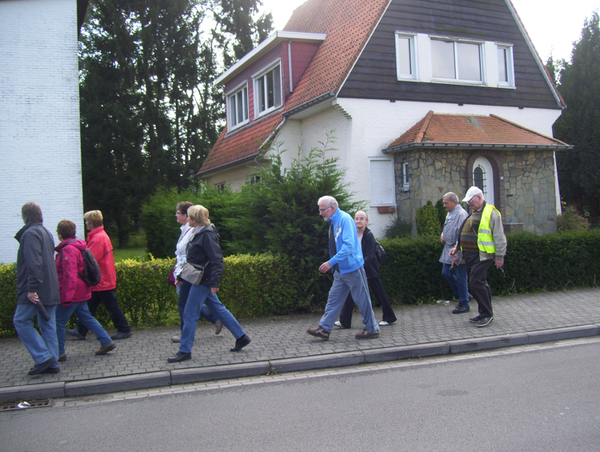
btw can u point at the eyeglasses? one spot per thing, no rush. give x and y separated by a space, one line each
178 213
323 210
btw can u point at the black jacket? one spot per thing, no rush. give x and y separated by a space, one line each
367 244
204 248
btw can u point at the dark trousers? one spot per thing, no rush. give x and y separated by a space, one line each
379 293
478 285
109 299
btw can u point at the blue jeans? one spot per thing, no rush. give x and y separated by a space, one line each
41 347
457 278
198 295
354 283
64 313
183 290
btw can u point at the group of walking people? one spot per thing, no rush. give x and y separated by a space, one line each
50 286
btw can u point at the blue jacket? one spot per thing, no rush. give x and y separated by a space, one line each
349 255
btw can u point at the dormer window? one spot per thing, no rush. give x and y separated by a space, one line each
237 107
267 89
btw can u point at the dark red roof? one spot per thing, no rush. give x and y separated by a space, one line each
241 146
348 25
470 129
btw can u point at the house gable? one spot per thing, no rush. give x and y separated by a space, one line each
486 24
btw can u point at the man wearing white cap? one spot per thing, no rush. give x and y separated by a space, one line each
483 244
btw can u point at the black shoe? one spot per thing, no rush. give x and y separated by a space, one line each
180 357
461 309
120 335
484 321
51 370
475 319
40 368
241 343
76 334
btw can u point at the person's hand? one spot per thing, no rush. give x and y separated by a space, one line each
442 239
499 261
453 251
214 290
33 297
455 262
178 282
325 267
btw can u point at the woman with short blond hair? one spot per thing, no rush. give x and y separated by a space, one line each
204 250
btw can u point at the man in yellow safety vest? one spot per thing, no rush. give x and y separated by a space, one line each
483 244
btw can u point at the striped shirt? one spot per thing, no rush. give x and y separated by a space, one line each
468 235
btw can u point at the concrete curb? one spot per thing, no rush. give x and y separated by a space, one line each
195 375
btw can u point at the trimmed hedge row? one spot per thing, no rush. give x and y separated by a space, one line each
267 284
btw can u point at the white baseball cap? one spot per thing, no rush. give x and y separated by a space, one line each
473 191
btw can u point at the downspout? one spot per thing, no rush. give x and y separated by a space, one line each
290 66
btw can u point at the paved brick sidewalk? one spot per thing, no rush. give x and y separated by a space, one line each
281 339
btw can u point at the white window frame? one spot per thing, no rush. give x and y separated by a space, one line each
457 79
259 79
423 61
510 66
381 176
405 184
413 73
232 96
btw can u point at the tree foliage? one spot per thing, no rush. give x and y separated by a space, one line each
150 111
579 124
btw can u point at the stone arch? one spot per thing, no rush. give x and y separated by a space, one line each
488 162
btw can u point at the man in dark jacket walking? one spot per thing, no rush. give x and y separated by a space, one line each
37 291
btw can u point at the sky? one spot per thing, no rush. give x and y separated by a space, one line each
552 25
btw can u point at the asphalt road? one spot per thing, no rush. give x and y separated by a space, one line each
533 398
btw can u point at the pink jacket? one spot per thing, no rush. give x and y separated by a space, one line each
101 247
69 263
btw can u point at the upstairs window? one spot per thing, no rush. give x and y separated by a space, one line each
237 107
406 55
505 66
455 60
267 90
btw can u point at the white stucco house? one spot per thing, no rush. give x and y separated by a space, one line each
424 96
40 153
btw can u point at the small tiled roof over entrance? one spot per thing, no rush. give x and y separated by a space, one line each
459 131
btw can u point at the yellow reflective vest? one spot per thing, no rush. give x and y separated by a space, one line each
485 238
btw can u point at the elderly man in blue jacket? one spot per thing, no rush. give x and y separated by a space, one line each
348 272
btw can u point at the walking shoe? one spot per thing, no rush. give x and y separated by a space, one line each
218 327
384 323
51 370
364 334
120 335
179 357
76 334
475 319
40 368
461 309
62 357
176 339
484 321
241 343
337 323
106 348
318 332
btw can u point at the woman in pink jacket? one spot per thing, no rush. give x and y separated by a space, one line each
74 292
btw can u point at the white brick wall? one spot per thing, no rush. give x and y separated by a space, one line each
40 156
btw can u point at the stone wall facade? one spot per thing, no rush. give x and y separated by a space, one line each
524 183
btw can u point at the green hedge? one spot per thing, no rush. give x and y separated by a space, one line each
268 284
412 273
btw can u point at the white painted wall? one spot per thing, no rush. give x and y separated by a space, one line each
40 153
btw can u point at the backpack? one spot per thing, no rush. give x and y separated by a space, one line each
380 252
91 270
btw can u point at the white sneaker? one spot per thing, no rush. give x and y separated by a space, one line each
383 323
338 323
176 339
